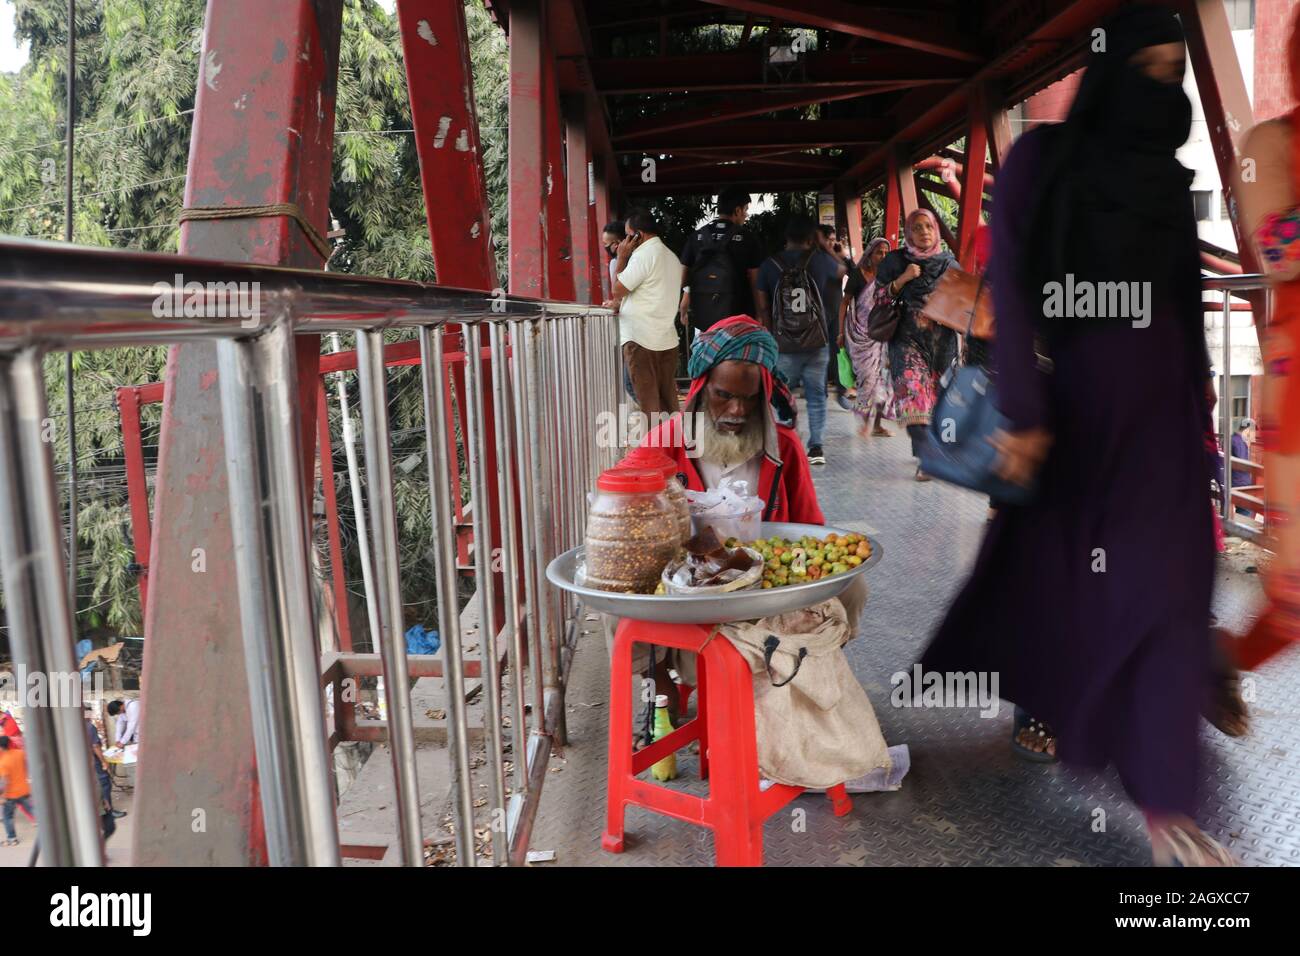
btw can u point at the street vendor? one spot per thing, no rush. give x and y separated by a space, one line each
817 728
733 424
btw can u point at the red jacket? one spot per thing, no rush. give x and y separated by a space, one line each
785 484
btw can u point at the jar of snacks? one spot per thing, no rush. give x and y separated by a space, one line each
656 459
632 531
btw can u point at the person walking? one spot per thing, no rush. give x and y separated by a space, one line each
920 352
645 295
833 297
720 265
17 788
874 394
1270 203
790 305
1092 602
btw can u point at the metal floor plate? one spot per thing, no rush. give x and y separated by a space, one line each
967 801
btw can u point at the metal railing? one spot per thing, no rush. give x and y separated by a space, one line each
1229 286
541 376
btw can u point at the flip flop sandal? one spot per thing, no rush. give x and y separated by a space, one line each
879 432
1179 846
1026 724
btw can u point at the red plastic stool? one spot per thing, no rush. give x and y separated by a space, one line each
724 725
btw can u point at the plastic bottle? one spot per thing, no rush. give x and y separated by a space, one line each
665 769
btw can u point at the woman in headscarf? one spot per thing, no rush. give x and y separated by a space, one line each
1092 602
1270 208
875 399
920 352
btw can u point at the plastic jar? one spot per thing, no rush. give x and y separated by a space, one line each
632 531
676 491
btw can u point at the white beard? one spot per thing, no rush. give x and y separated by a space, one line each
727 448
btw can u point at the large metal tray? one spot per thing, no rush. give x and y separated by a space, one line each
714 608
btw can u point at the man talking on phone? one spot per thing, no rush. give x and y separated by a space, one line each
645 295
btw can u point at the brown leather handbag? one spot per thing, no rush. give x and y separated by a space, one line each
960 302
883 319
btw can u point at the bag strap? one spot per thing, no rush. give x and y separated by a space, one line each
769 648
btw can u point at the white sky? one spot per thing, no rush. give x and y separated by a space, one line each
12 57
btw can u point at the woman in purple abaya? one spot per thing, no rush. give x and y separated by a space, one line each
1092 603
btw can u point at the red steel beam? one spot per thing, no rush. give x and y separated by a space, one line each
560 280
527 160
263 132
1047 38
435 46
1227 108
582 208
137 489
972 195
743 70
738 109
893 202
338 573
844 17
761 134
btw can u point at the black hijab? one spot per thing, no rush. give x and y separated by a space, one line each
1113 201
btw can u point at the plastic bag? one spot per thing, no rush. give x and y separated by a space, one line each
709 567
728 509
846 374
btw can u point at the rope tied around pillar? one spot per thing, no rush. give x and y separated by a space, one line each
208 213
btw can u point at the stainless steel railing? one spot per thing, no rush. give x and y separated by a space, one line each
542 372
1227 286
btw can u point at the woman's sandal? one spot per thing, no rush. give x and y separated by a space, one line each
920 475
1026 728
1187 846
880 432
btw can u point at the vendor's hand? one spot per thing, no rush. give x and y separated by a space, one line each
1020 454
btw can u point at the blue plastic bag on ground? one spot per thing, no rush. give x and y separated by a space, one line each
420 641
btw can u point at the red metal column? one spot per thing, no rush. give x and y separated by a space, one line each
338 573
263 133
438 74
560 283
972 188
527 178
893 201
582 209
1223 98
435 44
137 489
848 216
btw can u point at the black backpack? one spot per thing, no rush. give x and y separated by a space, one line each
713 277
798 315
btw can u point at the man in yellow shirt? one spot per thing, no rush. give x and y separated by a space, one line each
17 788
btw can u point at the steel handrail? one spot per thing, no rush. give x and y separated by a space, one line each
541 365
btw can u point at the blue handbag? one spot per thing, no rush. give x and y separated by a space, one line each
956 447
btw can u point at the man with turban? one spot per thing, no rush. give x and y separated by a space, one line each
732 425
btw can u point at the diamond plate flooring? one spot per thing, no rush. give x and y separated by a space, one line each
967 801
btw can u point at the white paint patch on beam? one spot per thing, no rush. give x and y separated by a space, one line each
440 137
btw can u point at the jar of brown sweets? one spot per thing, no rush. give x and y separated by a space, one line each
632 531
654 458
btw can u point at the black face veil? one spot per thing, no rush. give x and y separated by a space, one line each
1113 202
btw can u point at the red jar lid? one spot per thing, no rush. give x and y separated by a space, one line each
632 480
641 457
